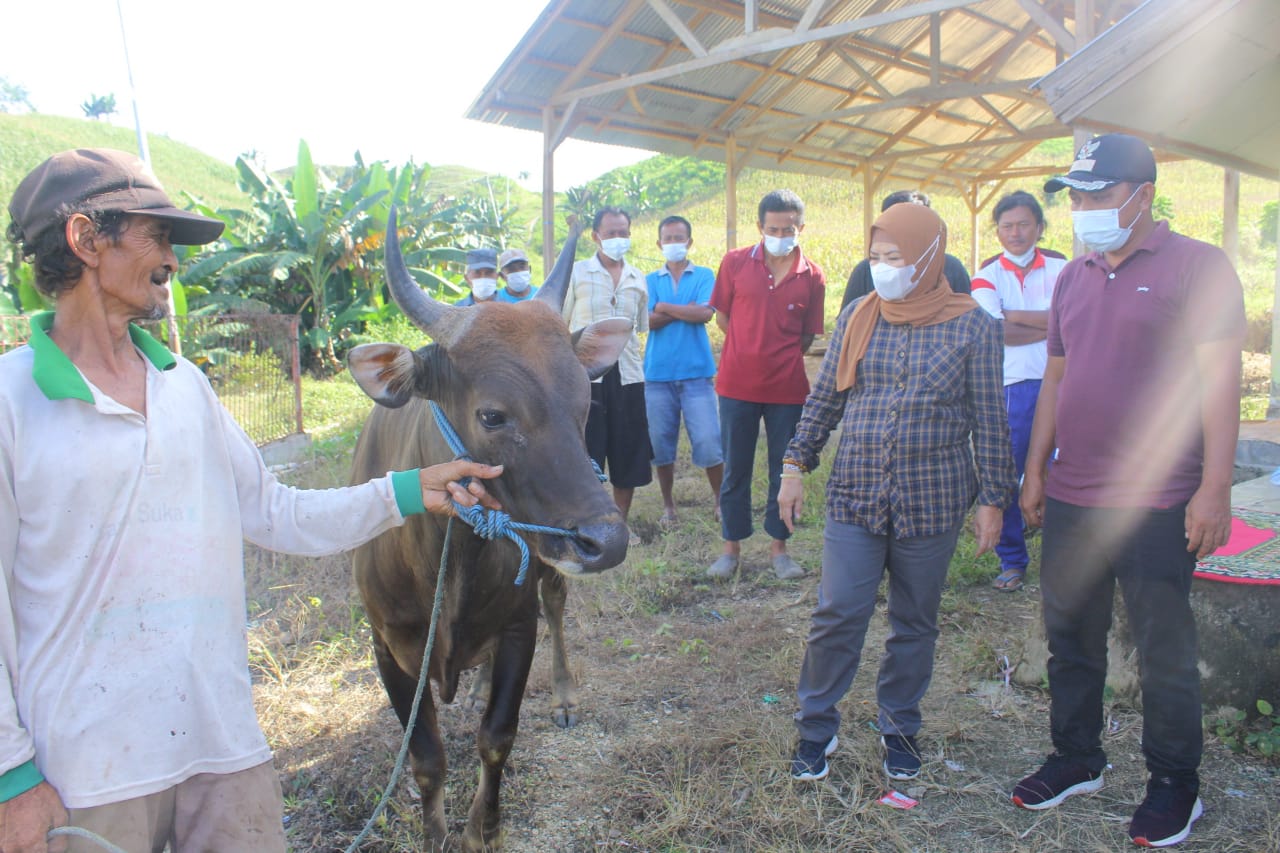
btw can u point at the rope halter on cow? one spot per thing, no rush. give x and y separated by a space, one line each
494 523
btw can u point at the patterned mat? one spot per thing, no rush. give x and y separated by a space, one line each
1251 555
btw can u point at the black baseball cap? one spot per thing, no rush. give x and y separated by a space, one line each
1104 161
101 179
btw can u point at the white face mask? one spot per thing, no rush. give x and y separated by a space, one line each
1023 259
893 283
779 246
675 252
483 288
1100 230
518 282
615 247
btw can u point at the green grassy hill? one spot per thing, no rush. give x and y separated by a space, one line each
27 140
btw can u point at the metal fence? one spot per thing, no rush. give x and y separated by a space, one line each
251 360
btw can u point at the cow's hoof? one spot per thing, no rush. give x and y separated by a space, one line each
489 841
565 718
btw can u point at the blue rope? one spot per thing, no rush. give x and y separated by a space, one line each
494 523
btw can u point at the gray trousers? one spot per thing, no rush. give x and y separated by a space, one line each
853 561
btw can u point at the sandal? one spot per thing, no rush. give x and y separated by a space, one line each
1010 580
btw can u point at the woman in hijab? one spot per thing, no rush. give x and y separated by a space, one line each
913 378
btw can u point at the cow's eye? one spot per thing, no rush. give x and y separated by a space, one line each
491 418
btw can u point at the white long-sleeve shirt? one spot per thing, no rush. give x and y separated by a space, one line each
121 543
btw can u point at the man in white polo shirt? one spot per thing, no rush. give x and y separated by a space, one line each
1017 287
126 494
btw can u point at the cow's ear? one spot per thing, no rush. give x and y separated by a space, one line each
599 345
386 372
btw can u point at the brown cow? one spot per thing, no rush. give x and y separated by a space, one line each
515 385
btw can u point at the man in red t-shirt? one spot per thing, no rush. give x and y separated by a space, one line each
768 300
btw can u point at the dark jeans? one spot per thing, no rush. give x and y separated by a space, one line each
739 431
1086 551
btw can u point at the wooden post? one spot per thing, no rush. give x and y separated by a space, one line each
548 190
1231 214
1273 406
731 194
868 208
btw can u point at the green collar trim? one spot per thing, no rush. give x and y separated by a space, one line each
57 377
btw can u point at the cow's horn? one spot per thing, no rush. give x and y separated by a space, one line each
552 292
437 319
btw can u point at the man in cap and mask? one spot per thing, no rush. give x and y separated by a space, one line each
513 269
482 275
126 491
1142 429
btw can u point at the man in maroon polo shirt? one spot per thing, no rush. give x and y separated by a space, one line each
1144 423
768 300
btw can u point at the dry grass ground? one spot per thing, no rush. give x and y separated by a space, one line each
688 690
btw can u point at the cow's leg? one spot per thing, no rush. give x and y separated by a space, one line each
426 750
477 698
511 662
564 689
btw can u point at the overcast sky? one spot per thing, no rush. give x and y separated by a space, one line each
390 78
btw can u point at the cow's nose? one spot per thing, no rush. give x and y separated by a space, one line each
601 545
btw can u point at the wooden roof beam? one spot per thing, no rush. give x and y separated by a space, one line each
920 97
1041 16
617 25
755 46
671 19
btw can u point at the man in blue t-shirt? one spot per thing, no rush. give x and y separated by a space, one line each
679 369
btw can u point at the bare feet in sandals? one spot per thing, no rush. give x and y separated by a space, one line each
1010 580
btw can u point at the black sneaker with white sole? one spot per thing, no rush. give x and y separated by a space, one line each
1166 815
1058 778
810 759
901 756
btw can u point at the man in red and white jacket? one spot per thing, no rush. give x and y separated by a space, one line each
1016 287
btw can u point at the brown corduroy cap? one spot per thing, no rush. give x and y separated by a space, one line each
101 179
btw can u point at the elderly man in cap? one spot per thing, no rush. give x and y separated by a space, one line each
126 492
513 269
1139 408
481 275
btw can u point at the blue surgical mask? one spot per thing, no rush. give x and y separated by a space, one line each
893 283
1023 259
1100 230
615 248
675 252
779 246
518 282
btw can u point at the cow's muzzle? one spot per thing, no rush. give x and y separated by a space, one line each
594 547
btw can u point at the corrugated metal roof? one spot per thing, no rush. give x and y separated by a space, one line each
923 90
1202 80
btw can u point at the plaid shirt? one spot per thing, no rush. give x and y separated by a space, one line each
922 432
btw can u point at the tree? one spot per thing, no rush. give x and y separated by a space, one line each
312 245
98 107
13 96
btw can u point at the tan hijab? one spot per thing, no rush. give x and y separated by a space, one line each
922 236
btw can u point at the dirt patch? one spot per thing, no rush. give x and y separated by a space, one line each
687 693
